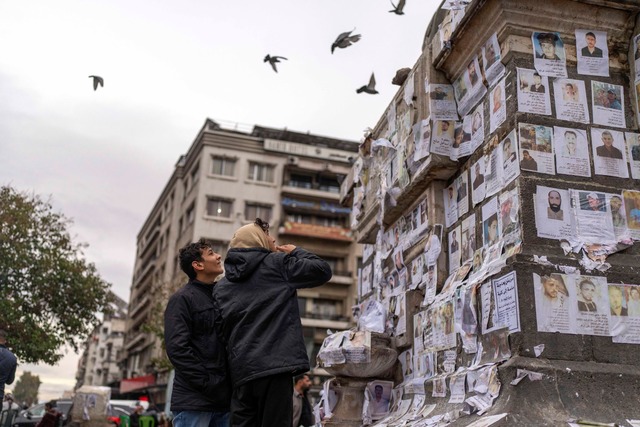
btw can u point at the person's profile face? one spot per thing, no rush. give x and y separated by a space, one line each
554 199
551 287
548 50
591 41
587 290
607 140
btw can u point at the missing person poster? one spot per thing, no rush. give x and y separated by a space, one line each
592 52
609 153
469 88
633 147
442 137
636 56
509 149
422 134
492 60
536 148
625 313
593 219
497 106
553 303
442 104
477 181
549 54
554 219
533 92
571 100
572 151
607 104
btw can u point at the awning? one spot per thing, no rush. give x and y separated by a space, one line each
309 230
135 383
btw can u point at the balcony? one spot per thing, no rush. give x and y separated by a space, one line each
323 322
316 231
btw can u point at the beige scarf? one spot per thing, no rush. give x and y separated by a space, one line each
249 236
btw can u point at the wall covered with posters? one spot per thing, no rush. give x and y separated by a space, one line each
501 191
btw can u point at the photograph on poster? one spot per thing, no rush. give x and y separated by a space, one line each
468 237
442 104
593 219
572 151
439 387
509 158
379 396
477 126
549 55
553 213
633 154
490 229
469 88
618 215
492 60
497 106
591 307
398 260
571 100
536 148
607 103
533 95
477 181
629 324
450 205
609 153
552 303
462 192
457 387
592 53
416 272
461 141
495 346
442 137
631 200
366 287
454 249
406 361
636 50
422 133
433 246
430 280
492 171
509 223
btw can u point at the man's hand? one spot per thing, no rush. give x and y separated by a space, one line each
285 248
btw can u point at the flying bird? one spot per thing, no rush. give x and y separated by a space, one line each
345 40
370 88
97 80
273 60
397 9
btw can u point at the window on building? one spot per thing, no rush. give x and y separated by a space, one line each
329 184
257 210
333 262
219 207
223 166
185 188
300 218
327 308
195 174
300 181
330 222
260 172
191 214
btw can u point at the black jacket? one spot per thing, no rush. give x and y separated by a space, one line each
257 310
199 359
8 363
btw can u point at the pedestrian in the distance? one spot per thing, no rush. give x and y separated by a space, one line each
8 363
258 319
51 416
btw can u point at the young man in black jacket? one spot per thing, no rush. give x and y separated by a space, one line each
257 317
201 392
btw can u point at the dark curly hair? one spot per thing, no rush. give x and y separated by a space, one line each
192 252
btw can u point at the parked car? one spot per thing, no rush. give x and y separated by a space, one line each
33 415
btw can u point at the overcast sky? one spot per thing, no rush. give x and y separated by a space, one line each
103 157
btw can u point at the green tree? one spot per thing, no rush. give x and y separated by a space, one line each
26 388
49 294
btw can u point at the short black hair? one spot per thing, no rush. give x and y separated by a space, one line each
590 34
192 252
299 377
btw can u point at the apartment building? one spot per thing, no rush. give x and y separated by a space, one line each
225 180
98 363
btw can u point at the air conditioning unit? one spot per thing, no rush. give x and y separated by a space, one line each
293 160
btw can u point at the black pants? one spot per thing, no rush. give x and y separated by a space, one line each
265 402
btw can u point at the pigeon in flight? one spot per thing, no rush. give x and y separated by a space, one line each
345 40
370 88
97 80
273 60
397 9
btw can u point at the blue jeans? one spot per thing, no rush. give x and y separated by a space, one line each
201 419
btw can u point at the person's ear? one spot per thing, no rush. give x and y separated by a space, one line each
197 265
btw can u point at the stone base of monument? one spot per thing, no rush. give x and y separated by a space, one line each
350 398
